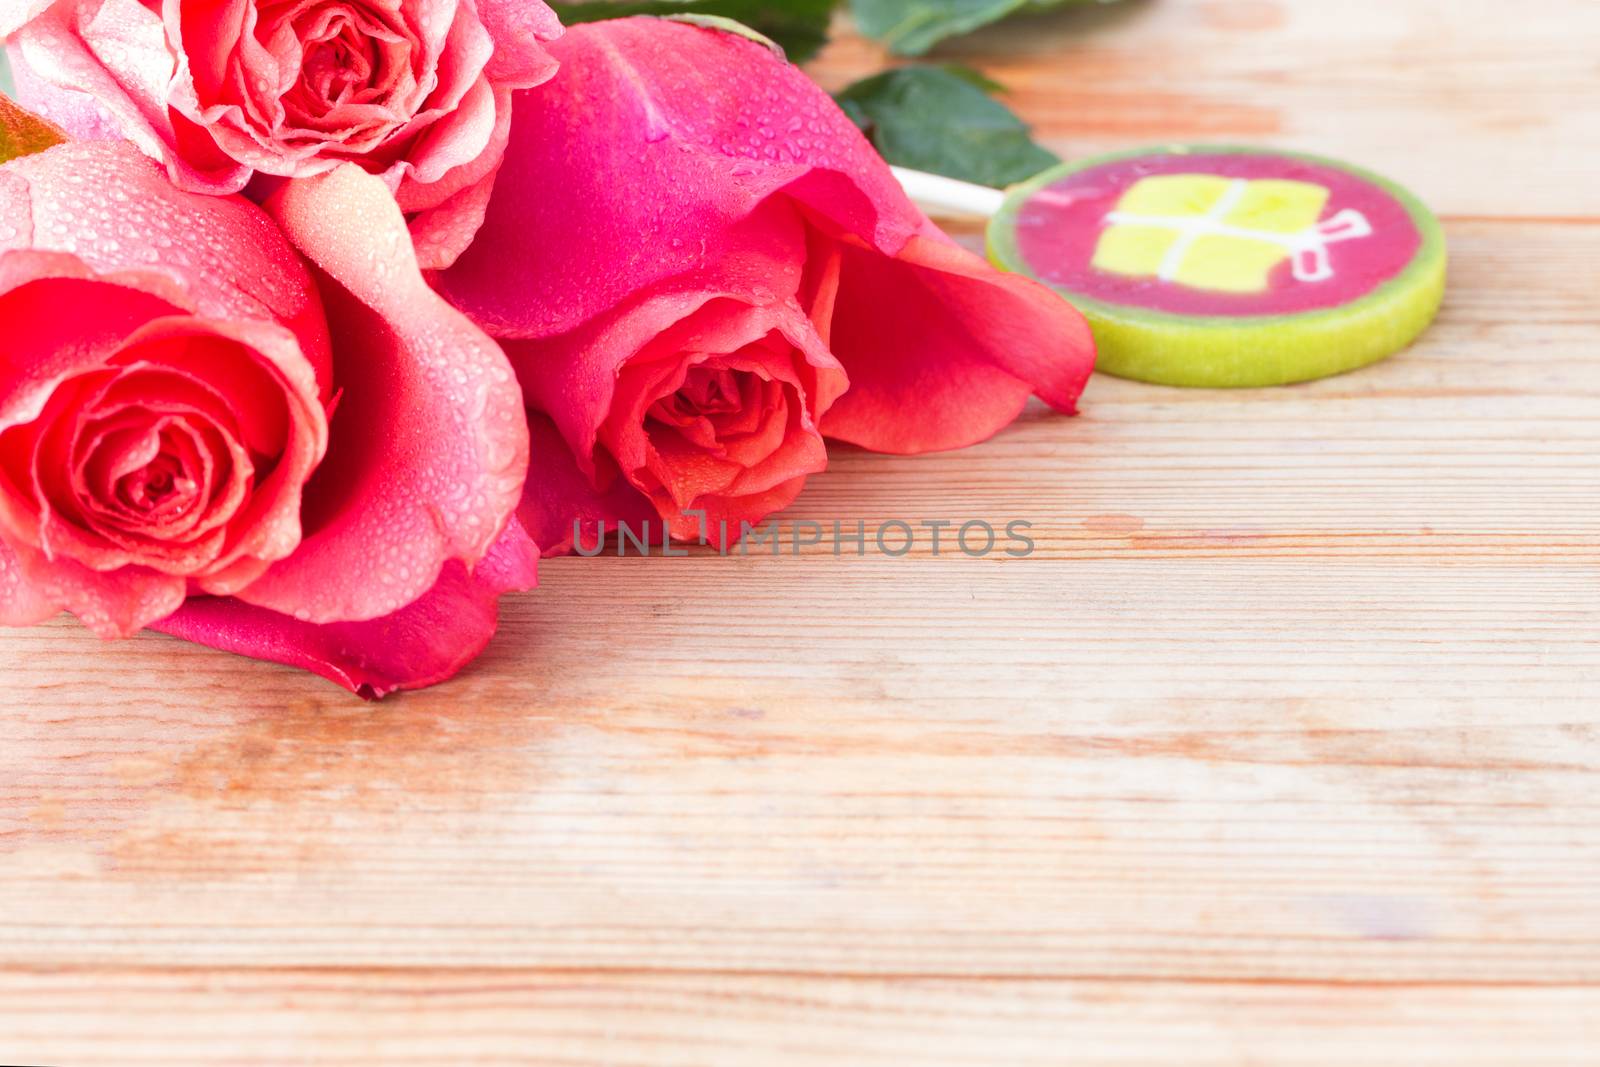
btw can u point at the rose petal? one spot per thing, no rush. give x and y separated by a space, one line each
48 337
425 643
429 447
519 28
560 499
118 604
712 123
442 232
21 603
446 215
114 210
959 356
115 51
457 68
573 376
461 135
14 14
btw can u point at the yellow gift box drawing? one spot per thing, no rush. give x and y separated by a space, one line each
1223 234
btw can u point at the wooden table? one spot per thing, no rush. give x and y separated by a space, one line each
1281 750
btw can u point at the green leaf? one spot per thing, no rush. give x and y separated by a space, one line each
800 27
5 76
911 27
940 119
22 133
975 77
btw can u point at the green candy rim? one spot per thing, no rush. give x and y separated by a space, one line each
1246 351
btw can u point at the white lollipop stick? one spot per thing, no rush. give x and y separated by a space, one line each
948 198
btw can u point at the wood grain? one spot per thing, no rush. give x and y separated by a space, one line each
1282 749
1477 105
655 1020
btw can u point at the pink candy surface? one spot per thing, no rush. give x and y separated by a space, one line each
1057 231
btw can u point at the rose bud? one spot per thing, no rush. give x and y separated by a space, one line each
674 168
417 92
200 434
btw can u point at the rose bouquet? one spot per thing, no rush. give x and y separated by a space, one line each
326 317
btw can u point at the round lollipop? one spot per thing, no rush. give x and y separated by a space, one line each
1212 266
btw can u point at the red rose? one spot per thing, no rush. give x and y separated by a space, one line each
678 185
198 433
415 91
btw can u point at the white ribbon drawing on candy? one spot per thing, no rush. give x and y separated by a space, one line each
1308 248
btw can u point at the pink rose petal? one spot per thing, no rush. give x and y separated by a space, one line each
115 52
520 30
21 602
429 445
560 495
964 349
420 645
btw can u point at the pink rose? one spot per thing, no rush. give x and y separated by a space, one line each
417 92
681 193
707 404
199 433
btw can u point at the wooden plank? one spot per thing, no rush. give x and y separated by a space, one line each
1483 109
268 1018
1324 784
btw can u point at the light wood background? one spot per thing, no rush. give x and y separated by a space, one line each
1284 749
